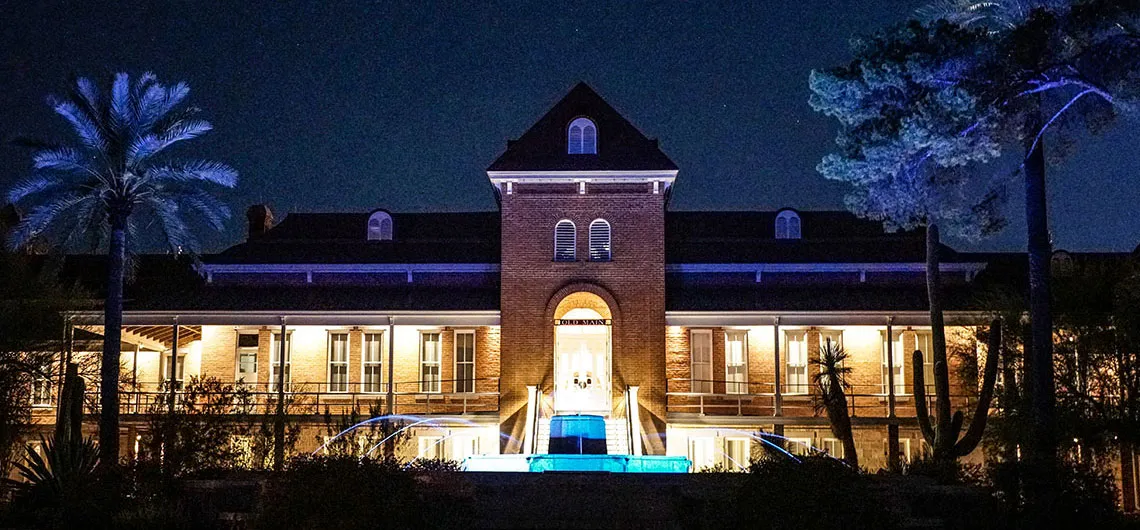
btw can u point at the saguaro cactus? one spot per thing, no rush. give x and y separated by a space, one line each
943 434
69 415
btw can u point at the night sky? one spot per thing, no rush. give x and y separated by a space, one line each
325 107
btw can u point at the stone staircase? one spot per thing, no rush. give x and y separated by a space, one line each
617 436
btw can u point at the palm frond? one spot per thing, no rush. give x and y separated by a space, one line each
121 113
211 210
60 159
42 217
197 170
86 90
185 130
35 185
87 130
172 225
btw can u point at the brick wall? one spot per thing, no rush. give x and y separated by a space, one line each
633 283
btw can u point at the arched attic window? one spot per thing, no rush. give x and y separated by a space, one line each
600 240
380 227
582 137
565 240
787 225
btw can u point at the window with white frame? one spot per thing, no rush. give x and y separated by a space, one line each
338 362
896 365
179 370
275 361
372 363
702 452
924 341
737 453
247 344
736 361
796 362
600 240
700 360
565 241
465 361
835 339
799 446
787 225
905 455
431 351
463 446
380 227
833 447
430 447
41 387
582 137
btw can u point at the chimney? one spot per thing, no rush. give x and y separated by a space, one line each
260 220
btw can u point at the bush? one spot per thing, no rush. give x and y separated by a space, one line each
816 492
348 493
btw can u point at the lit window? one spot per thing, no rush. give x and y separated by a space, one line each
701 452
372 365
835 338
275 361
736 361
795 346
463 446
41 388
600 240
923 341
338 362
701 360
430 354
799 446
737 453
787 225
430 447
898 364
565 239
833 447
380 227
464 361
582 137
247 357
179 370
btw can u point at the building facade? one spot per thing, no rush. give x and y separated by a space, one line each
690 332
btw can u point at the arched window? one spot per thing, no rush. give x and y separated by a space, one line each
582 137
380 227
787 225
565 239
600 240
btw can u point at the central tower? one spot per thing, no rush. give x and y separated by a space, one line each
583 195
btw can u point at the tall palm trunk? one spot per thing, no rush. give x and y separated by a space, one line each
1039 361
112 335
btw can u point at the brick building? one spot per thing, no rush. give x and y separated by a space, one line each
690 331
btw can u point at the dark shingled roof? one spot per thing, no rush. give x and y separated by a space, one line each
827 237
621 146
469 237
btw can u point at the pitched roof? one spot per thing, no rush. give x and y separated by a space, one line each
827 237
621 146
464 237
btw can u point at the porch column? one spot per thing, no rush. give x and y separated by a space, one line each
279 420
778 399
173 365
391 370
892 421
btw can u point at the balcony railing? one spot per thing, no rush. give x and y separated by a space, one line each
729 398
306 398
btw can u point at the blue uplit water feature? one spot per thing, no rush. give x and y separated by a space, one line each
578 444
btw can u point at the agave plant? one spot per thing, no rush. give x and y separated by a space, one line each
831 379
97 193
60 466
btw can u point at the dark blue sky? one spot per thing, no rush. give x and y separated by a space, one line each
329 107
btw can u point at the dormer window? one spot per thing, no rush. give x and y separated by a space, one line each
787 225
380 227
582 137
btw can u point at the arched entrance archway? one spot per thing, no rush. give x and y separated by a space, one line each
582 354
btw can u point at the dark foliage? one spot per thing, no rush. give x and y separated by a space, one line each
817 492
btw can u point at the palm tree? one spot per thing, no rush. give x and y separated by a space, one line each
94 194
831 379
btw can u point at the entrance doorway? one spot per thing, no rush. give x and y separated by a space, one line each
582 382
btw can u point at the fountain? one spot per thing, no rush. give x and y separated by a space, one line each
578 444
